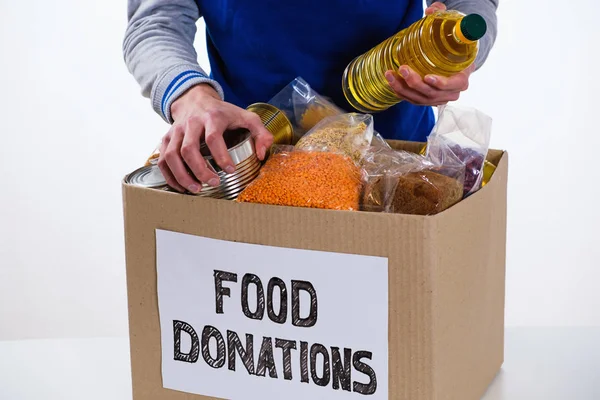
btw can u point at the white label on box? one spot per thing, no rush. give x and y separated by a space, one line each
242 321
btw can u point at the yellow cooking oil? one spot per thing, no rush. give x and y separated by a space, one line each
444 43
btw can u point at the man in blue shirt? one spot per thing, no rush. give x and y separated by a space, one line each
255 49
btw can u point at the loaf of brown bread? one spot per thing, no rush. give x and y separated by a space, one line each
425 193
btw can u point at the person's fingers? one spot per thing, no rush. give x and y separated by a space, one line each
164 167
263 139
403 91
190 152
166 172
216 124
458 82
415 82
175 162
433 90
437 6
445 97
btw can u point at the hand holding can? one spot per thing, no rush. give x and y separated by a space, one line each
201 114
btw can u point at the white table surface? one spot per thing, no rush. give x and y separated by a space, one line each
540 363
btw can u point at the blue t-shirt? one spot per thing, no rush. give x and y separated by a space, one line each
256 48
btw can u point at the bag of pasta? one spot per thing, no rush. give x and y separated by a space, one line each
305 108
300 178
348 134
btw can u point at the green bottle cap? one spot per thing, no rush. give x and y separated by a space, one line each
473 26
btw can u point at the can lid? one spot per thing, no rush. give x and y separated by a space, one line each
147 176
473 27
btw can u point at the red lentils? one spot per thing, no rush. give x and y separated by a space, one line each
307 179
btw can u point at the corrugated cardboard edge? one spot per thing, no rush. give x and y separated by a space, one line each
469 294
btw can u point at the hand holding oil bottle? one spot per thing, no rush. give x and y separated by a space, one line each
428 63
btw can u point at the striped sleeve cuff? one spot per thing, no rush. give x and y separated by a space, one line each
173 83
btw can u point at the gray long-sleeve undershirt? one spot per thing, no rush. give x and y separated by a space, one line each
159 45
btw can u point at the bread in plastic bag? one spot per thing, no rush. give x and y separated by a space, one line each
350 134
299 178
406 183
381 168
461 133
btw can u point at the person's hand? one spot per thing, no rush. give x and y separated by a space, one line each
437 6
200 113
432 90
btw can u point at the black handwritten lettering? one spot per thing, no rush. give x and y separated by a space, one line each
211 332
315 350
247 355
221 291
281 317
265 359
370 387
192 355
311 320
260 297
341 370
304 362
286 347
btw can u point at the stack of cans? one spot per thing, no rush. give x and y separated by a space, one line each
241 149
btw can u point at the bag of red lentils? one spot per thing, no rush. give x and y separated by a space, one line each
349 134
299 178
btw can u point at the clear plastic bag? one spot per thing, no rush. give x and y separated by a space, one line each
299 178
463 134
381 169
305 108
406 183
349 134
153 158
425 192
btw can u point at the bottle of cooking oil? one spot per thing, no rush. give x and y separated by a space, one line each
444 43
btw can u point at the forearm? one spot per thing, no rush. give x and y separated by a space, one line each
485 8
159 50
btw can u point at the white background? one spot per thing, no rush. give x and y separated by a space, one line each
73 123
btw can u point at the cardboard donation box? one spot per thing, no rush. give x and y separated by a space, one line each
242 301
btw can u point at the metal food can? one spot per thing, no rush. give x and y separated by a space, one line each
275 121
240 147
488 171
148 176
